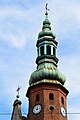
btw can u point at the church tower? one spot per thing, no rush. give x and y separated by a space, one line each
46 92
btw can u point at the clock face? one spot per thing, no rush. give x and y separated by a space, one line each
63 111
37 109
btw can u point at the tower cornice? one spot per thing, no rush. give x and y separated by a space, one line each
47 86
46 38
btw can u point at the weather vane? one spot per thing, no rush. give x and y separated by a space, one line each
18 89
46 7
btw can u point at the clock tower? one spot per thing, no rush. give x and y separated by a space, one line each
46 92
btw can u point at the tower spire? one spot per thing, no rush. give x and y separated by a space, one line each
18 89
46 7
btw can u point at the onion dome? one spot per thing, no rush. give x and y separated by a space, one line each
46 30
47 72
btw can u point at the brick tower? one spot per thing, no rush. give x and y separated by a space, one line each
46 92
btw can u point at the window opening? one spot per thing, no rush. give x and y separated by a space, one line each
48 49
51 96
54 51
37 97
62 100
42 50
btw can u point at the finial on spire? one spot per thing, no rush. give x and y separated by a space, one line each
46 10
18 89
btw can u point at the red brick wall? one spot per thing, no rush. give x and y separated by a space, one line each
44 90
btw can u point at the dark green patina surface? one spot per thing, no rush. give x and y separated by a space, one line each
46 69
47 73
46 29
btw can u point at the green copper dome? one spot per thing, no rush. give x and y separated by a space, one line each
46 58
46 30
48 73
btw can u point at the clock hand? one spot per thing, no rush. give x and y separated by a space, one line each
37 108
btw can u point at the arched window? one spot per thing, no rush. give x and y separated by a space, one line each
62 100
42 50
48 49
54 51
51 96
37 97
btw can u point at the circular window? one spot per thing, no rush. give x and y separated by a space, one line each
51 107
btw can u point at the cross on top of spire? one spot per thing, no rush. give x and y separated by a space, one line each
18 89
46 10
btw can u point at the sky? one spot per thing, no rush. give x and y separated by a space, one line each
20 23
